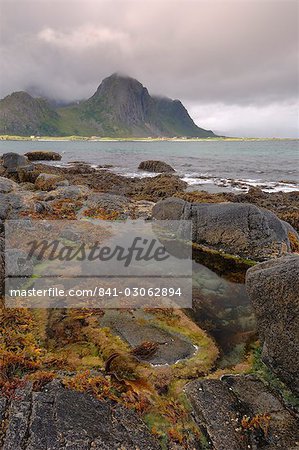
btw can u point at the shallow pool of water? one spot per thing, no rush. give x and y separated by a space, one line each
222 307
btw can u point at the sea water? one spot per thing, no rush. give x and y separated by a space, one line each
207 165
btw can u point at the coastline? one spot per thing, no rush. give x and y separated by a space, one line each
213 165
137 139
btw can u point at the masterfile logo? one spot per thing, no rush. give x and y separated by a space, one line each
95 263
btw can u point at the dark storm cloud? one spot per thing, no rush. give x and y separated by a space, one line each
238 54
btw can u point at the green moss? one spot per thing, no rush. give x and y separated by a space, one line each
158 425
263 372
231 267
204 357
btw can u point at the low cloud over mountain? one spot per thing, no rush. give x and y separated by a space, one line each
236 59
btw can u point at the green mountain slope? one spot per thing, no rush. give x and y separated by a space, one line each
121 107
21 114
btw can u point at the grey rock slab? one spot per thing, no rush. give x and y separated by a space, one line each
18 419
43 433
57 418
174 346
218 409
258 399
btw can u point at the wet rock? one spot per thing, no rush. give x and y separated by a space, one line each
47 182
105 166
81 168
273 288
13 161
155 166
156 188
57 418
256 192
238 229
43 156
174 347
7 185
150 188
101 180
172 209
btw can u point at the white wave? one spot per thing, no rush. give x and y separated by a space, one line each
270 186
195 178
137 174
241 184
199 181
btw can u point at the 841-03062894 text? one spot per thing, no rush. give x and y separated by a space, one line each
100 292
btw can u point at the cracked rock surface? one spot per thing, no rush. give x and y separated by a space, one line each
57 418
219 406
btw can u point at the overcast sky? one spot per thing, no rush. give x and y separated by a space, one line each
234 64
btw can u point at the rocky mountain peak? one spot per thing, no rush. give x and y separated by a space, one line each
120 107
124 99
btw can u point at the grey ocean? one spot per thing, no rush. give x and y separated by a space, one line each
209 165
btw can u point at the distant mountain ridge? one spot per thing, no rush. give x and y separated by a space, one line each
120 107
24 115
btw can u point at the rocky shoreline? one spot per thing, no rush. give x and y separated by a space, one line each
232 232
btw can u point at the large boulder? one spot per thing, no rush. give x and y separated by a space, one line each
273 288
42 155
238 229
155 166
13 162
